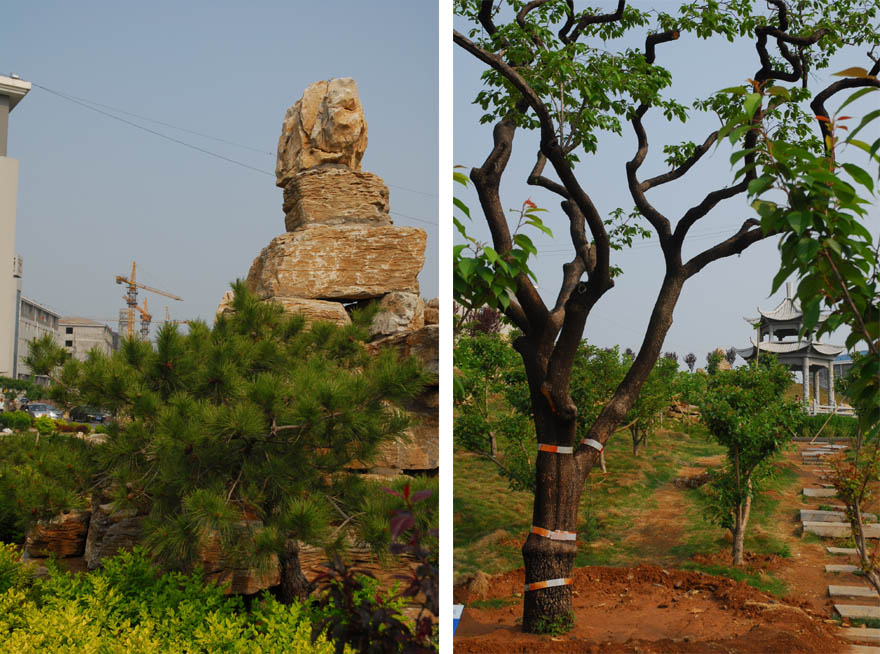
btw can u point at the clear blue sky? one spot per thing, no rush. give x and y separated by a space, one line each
96 194
712 305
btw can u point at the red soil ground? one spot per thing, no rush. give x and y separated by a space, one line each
651 609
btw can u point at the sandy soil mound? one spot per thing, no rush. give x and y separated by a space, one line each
647 610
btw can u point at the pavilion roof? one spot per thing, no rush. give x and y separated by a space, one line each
797 347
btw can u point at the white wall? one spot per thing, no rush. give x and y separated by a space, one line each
8 199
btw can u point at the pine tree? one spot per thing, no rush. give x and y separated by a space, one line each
241 432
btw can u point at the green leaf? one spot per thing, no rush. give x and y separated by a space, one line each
760 184
466 267
779 91
462 206
860 175
799 221
491 254
751 104
865 120
855 96
855 71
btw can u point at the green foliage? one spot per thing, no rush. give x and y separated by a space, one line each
713 359
489 277
252 419
654 398
129 606
44 425
39 478
745 412
825 243
555 626
15 420
833 426
44 355
378 504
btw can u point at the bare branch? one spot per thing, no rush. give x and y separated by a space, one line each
485 17
749 232
818 103
674 174
535 178
592 20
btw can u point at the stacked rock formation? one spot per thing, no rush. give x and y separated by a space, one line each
341 248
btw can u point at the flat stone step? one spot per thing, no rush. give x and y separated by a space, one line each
856 611
865 635
809 515
837 567
852 591
828 529
863 649
820 492
842 550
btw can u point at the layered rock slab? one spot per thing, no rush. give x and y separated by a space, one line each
333 195
339 262
63 536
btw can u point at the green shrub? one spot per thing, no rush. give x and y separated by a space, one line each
15 420
836 427
129 607
44 425
39 478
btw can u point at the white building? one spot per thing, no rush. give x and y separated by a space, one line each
34 321
12 90
80 335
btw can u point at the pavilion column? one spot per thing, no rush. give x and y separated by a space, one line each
816 387
805 372
831 384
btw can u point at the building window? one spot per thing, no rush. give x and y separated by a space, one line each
68 343
68 330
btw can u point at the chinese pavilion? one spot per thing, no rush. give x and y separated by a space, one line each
778 334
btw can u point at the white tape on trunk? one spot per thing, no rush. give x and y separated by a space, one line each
596 445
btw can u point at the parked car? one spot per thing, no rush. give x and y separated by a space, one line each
38 409
88 414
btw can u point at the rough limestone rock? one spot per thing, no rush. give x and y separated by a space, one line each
423 343
109 531
242 580
339 262
432 311
333 195
325 126
225 303
315 309
62 536
398 312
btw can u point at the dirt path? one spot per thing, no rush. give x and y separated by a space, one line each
652 609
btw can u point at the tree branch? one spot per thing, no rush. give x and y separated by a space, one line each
743 238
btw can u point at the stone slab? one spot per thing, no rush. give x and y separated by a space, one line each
333 195
840 529
315 309
841 550
820 492
828 516
852 591
863 649
340 262
856 611
835 567
866 635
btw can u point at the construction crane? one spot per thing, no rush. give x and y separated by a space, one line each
146 318
174 322
130 298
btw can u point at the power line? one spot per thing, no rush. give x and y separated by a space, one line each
421 220
152 131
88 105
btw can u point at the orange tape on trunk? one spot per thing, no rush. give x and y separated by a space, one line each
559 449
538 585
554 534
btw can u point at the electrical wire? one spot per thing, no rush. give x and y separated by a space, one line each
88 105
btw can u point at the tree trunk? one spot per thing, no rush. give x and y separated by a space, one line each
739 529
294 585
557 497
